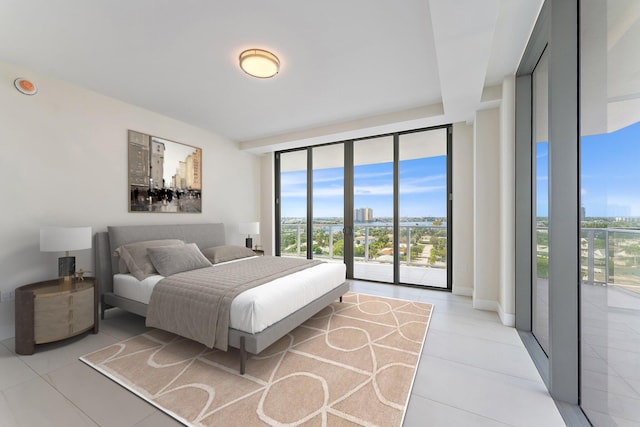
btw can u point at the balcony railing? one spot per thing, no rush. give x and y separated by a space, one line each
608 256
372 243
611 256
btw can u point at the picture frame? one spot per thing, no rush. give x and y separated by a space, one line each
164 176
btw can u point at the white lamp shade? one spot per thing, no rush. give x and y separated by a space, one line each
61 239
249 228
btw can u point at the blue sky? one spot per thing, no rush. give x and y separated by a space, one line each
610 182
422 189
610 174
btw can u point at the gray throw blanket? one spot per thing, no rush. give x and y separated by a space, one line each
195 304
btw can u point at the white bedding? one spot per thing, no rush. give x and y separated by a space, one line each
259 307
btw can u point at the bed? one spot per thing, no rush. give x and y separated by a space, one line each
258 317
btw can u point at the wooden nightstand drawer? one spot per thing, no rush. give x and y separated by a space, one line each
54 310
61 315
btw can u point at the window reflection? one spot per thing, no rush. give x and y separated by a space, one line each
610 212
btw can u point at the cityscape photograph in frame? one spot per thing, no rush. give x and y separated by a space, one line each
164 176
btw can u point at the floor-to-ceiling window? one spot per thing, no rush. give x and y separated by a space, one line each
373 219
540 190
328 202
379 204
610 211
593 176
547 183
292 203
423 207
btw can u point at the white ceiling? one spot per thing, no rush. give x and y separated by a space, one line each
347 67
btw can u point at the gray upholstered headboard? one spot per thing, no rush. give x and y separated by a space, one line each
204 235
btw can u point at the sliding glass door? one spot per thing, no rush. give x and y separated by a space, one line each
588 242
373 218
328 202
422 201
378 204
540 161
610 212
293 203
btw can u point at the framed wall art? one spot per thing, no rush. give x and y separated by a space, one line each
164 176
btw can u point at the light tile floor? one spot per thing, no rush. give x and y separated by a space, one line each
473 372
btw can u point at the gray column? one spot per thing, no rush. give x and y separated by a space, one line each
564 217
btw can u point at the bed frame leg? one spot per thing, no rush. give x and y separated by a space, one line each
243 356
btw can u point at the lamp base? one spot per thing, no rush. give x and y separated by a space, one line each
248 242
66 267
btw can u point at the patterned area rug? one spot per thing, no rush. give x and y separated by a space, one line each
352 364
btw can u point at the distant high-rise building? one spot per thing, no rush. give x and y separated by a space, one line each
363 215
157 163
139 160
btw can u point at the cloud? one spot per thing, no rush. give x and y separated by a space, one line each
290 193
365 175
419 189
294 185
328 175
293 179
373 190
328 192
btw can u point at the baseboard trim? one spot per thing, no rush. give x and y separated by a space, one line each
507 319
462 291
485 304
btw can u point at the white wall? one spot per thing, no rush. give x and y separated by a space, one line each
64 163
463 243
507 296
267 209
494 208
486 210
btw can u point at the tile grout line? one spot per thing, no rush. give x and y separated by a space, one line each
478 337
50 382
468 411
541 383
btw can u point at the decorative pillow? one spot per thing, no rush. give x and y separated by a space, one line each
224 253
170 260
134 256
122 266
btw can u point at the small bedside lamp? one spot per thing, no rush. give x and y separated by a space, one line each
249 228
65 239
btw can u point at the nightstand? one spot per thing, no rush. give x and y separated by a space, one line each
258 252
54 310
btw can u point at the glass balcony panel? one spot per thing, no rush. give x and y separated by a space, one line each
610 212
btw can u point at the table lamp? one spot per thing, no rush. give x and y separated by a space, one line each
65 239
249 228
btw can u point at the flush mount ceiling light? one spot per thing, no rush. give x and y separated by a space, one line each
259 63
